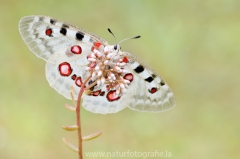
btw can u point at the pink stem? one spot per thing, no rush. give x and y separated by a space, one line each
78 115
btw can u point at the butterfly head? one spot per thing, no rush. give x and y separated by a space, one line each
116 47
112 49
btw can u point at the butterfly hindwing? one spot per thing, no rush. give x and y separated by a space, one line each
64 71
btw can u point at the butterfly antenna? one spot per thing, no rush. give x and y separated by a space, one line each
135 37
112 34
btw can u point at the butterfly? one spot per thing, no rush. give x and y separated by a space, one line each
118 79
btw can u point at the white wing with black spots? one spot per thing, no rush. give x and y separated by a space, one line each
118 79
148 91
45 35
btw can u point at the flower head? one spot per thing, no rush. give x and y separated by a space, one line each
106 63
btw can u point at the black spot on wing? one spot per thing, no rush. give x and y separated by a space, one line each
63 31
79 36
149 79
52 21
153 75
65 26
36 35
162 83
41 18
92 40
139 69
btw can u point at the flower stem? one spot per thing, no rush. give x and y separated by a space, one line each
78 115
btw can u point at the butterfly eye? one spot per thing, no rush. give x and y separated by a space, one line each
115 47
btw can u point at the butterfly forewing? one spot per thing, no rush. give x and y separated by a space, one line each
153 94
45 35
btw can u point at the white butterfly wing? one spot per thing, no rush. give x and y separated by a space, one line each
53 40
45 35
62 84
148 91
94 103
100 104
54 48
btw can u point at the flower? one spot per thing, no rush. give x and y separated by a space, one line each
106 63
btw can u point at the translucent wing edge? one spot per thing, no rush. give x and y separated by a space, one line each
170 102
77 28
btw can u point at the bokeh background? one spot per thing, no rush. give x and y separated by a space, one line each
193 45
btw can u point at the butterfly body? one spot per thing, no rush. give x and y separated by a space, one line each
118 79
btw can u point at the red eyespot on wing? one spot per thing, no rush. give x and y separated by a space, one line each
111 96
48 32
78 82
128 76
153 90
125 59
74 77
102 93
65 69
76 49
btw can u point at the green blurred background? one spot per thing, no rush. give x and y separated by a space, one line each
193 45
